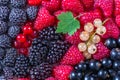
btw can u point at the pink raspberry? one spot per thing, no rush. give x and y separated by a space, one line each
102 51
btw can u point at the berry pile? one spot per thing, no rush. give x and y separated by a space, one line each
106 69
59 40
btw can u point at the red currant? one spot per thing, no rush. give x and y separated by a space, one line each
27 30
23 51
27 44
35 34
21 38
17 44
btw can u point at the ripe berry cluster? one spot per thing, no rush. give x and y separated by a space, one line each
91 36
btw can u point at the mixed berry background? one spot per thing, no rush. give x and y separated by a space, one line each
35 43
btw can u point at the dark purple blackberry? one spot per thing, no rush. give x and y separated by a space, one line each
17 16
18 3
2 53
9 60
37 52
3 2
8 72
1 68
13 31
5 41
50 34
41 71
11 51
21 66
56 50
32 12
3 27
4 12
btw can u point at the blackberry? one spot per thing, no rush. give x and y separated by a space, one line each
1 68
8 72
3 27
17 16
18 3
21 66
56 50
41 71
32 12
2 53
11 51
3 2
5 41
4 12
9 60
50 34
37 52
13 31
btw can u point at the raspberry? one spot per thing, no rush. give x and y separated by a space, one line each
34 2
52 5
50 78
117 7
88 4
3 27
59 12
73 56
44 19
9 60
5 41
74 39
13 31
50 34
2 53
17 16
117 19
32 12
18 3
112 29
21 66
105 5
72 5
90 16
4 12
23 79
41 72
62 72
102 51
3 2
8 72
56 50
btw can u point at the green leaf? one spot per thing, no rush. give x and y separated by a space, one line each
67 23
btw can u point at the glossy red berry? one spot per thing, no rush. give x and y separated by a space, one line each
34 34
23 51
21 38
27 30
27 44
17 44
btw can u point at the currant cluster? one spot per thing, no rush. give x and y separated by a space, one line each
90 37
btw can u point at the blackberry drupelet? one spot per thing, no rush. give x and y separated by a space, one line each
41 71
3 2
13 31
3 27
1 68
11 51
37 52
18 3
8 72
5 41
17 16
4 12
32 12
50 34
2 53
21 66
57 49
9 60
